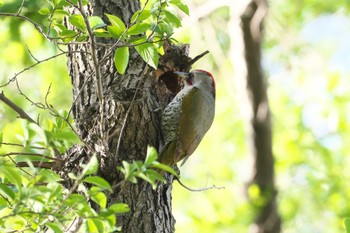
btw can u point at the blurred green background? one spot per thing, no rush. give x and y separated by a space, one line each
306 59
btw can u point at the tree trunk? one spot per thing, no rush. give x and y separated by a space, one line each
127 120
268 219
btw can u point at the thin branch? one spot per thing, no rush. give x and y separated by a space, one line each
20 8
93 51
198 190
22 114
36 25
31 154
35 64
194 60
20 145
38 105
20 167
37 164
30 53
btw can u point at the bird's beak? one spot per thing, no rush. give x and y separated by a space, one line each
182 75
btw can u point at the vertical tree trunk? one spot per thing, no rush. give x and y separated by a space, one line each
268 219
130 122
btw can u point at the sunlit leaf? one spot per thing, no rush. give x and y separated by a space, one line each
149 54
114 31
140 16
173 19
98 197
138 28
164 168
116 21
78 21
98 181
183 7
94 225
15 223
121 59
347 224
91 167
55 227
6 192
11 175
152 155
119 208
44 11
96 22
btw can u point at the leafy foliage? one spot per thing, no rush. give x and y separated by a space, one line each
147 30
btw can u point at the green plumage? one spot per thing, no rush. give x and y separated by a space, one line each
186 120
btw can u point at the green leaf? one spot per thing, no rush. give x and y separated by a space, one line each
63 12
6 192
149 179
15 223
12 175
149 54
119 208
91 167
138 28
114 31
96 22
44 11
140 16
94 225
78 21
347 224
75 198
152 155
98 197
54 226
115 21
121 59
48 176
102 33
172 19
98 181
181 6
154 175
165 168
68 33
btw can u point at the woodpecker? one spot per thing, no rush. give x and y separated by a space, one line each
188 117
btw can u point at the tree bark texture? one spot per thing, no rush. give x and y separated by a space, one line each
130 119
267 219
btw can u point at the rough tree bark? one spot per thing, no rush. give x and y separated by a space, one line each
267 219
130 118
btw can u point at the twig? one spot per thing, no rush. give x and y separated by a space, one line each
194 60
37 164
22 114
38 105
30 53
93 51
20 145
36 25
198 190
20 167
31 154
37 63
20 8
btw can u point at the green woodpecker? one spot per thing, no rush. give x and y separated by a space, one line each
188 117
